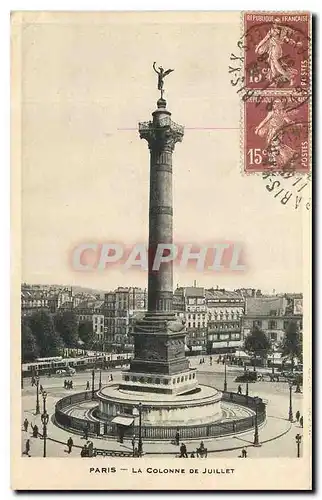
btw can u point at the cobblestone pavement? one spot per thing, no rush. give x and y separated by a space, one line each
276 394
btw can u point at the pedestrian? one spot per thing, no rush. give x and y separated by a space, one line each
90 447
25 424
65 384
177 437
111 378
70 444
192 455
133 443
239 389
34 430
297 415
301 421
41 389
183 451
27 448
84 451
87 385
71 384
244 453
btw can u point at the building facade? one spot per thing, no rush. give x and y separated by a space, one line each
272 314
212 317
225 312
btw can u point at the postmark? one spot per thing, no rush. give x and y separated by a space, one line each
276 134
289 189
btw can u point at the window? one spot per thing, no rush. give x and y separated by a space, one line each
174 381
178 380
285 324
272 324
257 323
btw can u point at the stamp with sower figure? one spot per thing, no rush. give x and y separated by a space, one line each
277 95
276 134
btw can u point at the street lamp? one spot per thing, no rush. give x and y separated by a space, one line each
290 410
140 444
273 359
247 374
256 437
298 439
37 398
44 420
93 382
225 381
100 380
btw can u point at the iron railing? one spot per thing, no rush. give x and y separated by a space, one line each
216 429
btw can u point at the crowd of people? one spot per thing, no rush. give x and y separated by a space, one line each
68 384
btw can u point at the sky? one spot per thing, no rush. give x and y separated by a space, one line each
85 172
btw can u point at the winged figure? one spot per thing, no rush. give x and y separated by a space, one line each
161 76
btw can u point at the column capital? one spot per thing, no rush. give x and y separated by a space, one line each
162 133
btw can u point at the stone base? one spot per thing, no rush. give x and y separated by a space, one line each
180 383
201 407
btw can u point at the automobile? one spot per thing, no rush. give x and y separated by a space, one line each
61 372
247 377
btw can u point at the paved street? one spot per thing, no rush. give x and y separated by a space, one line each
276 394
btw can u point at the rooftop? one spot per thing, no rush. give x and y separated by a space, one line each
262 306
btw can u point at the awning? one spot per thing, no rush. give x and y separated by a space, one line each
127 421
231 343
193 348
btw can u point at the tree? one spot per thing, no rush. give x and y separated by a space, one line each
48 340
67 326
292 343
85 332
29 348
257 343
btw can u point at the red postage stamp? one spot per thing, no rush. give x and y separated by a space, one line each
276 134
277 50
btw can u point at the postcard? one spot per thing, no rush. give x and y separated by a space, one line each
161 240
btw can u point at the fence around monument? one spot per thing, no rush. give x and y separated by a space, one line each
216 429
